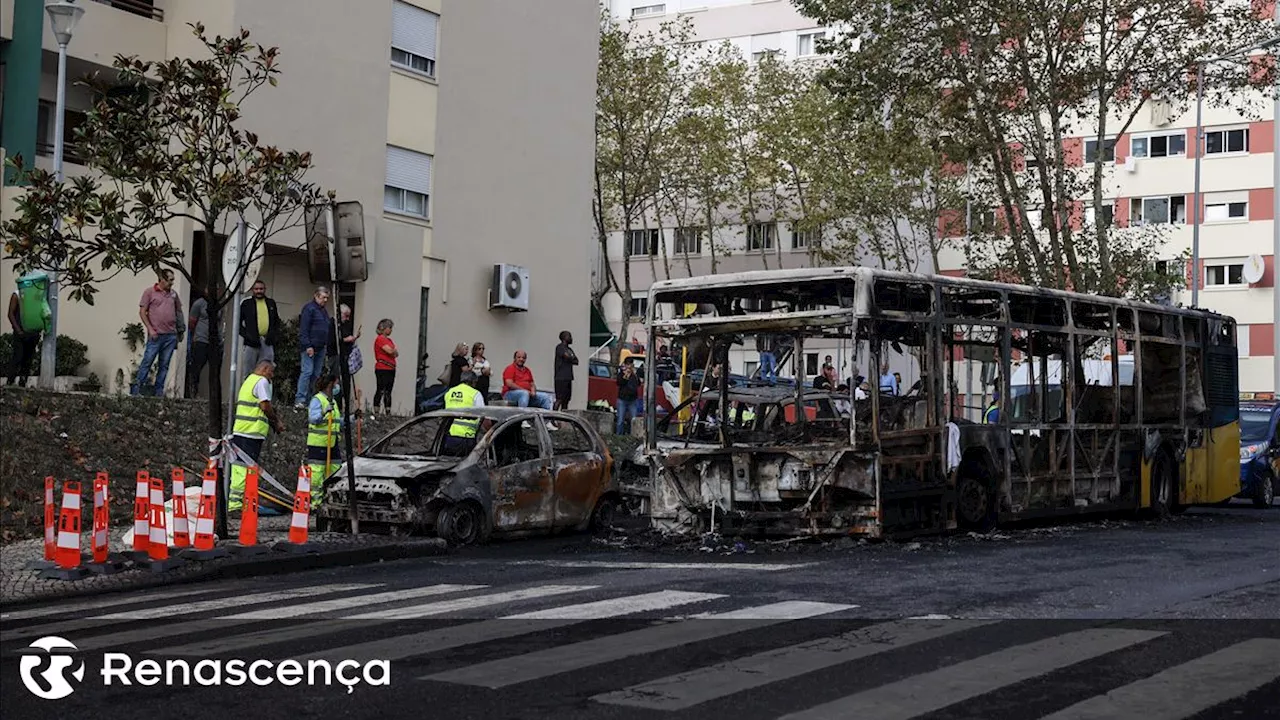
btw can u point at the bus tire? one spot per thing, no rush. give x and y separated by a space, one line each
1163 490
975 497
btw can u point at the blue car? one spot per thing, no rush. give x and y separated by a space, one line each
1259 451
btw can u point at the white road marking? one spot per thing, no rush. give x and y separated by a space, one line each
218 645
1186 689
469 603
685 690
423 643
931 691
612 565
173 611
565 658
119 599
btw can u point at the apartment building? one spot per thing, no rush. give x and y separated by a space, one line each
1151 181
411 108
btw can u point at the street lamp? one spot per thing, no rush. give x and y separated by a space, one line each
63 17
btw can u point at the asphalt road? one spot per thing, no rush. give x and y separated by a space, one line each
1166 621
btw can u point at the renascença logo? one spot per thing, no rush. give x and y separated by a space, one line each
57 653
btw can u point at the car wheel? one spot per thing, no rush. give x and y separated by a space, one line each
1265 493
460 524
605 514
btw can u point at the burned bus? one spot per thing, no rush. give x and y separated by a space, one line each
801 454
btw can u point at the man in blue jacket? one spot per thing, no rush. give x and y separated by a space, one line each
314 328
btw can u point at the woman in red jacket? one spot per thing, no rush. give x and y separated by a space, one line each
384 365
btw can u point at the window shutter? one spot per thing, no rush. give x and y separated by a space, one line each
413 29
408 170
763 43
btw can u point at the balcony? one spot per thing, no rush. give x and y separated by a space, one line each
141 8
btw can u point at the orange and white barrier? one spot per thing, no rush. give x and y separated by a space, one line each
181 530
141 513
67 553
204 517
298 524
158 547
50 534
101 518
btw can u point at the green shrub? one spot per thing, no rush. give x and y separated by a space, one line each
285 382
72 355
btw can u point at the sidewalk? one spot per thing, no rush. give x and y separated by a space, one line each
21 586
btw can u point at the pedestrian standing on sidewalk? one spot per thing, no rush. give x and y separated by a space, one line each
206 343
628 397
24 342
385 355
324 424
314 329
482 369
161 312
259 326
565 360
254 420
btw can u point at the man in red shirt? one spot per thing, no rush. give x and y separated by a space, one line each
518 387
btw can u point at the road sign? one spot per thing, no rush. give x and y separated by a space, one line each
231 260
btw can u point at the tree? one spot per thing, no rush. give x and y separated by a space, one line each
1014 82
164 146
639 88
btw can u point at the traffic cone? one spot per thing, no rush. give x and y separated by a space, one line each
104 563
141 513
67 552
159 560
301 519
204 549
181 531
50 534
249 516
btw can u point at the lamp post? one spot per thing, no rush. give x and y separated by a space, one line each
1275 224
63 17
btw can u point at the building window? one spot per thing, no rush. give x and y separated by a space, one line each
413 38
805 239
1108 214
643 242
648 11
811 363
1156 210
1221 142
763 45
1160 145
1108 150
46 128
1224 275
807 43
639 307
762 236
408 186
1224 212
688 241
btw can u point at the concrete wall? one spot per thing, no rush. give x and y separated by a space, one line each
515 143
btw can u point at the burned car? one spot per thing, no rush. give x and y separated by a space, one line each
521 472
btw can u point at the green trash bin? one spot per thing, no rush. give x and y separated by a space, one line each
33 301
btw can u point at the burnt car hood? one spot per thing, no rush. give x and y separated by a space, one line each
399 468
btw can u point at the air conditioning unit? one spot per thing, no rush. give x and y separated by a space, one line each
510 289
1131 164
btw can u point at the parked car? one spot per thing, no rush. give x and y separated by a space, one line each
520 477
1259 451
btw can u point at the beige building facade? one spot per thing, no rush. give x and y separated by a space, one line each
376 95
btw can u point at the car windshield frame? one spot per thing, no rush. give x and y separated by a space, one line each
1255 423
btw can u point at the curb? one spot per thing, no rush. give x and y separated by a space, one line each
276 563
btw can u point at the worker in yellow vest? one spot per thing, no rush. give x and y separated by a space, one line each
253 421
462 431
324 427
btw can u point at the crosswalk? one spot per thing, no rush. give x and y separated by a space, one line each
664 650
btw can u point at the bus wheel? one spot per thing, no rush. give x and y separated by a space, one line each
1265 493
1162 488
975 500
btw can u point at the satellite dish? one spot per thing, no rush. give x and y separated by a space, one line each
1254 267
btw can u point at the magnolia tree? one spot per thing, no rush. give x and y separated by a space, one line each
164 146
1013 83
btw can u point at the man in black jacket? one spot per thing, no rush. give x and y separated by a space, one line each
259 326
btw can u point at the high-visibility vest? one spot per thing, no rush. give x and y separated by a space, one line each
322 434
992 415
462 396
251 421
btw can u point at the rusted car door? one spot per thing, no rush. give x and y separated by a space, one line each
579 472
520 469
